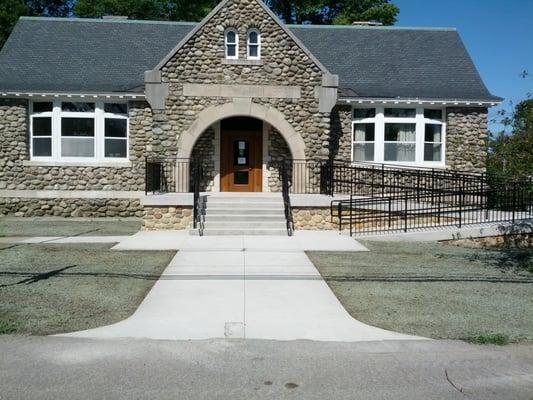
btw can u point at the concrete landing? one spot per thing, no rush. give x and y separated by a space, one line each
242 287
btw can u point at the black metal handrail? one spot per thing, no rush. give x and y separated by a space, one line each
410 212
197 202
285 190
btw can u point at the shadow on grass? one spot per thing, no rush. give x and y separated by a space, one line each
33 277
36 277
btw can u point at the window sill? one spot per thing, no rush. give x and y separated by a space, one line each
227 61
110 164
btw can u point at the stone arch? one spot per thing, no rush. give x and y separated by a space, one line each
212 114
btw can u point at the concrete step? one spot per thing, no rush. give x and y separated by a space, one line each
244 218
280 224
245 211
271 205
233 200
239 232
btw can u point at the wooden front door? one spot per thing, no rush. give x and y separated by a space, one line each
241 154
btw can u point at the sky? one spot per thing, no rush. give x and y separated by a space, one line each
497 33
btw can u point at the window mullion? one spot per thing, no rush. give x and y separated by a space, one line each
99 131
56 130
379 148
420 131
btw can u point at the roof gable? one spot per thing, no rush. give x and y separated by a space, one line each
217 9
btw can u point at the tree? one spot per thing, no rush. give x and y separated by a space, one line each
367 10
135 9
49 8
187 10
512 154
10 12
340 12
290 11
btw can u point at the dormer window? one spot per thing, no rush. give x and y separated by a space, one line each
232 44
254 44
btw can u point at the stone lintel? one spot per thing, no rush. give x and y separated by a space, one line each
242 91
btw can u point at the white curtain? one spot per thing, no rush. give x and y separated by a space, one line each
399 137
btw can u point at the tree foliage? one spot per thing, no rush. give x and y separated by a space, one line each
512 154
10 11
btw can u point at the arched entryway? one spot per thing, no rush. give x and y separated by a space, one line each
241 134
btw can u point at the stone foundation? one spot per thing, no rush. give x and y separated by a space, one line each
24 207
313 219
160 218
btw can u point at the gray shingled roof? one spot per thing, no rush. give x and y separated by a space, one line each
66 55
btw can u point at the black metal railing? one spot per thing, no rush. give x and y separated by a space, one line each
166 175
379 195
497 202
198 205
285 190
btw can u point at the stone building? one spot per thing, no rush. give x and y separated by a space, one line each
85 103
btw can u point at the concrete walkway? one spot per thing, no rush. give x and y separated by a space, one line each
262 287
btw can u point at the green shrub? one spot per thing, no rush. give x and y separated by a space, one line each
496 338
6 327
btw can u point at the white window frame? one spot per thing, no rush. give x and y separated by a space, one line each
379 133
364 142
236 44
249 44
46 114
116 116
442 123
74 114
98 115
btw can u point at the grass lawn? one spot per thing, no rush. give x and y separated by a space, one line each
11 226
435 290
55 288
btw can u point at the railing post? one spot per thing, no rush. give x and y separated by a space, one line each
339 214
145 176
382 180
389 213
405 213
514 202
331 178
372 182
461 201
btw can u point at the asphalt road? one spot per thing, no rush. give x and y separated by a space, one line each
66 368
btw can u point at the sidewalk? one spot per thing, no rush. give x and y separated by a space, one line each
241 287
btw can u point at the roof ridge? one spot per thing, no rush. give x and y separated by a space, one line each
110 20
392 28
191 23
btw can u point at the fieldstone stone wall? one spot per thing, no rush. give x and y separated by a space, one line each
278 151
13 142
201 60
204 153
466 139
313 218
340 141
159 218
14 150
23 207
